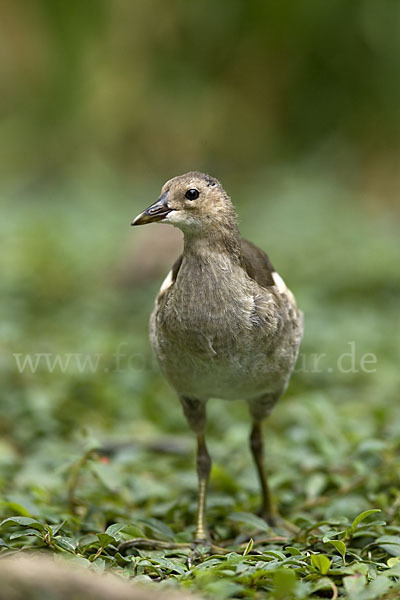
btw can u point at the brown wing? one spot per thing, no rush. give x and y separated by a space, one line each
257 264
169 280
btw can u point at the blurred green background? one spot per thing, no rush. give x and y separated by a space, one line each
295 107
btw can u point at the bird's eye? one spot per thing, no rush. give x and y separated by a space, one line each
192 194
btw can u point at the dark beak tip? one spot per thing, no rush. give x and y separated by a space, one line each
156 212
139 220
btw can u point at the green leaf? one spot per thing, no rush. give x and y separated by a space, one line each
16 507
358 568
323 583
378 587
56 528
332 533
115 528
275 554
169 565
340 547
249 547
394 571
354 586
223 589
66 543
107 474
122 560
363 516
131 530
293 551
105 539
390 543
28 531
24 522
284 583
251 520
315 485
158 528
321 562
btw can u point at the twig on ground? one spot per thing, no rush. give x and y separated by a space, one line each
157 545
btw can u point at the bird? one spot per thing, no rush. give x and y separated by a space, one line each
224 323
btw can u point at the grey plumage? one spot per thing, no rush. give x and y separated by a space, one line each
218 333
224 323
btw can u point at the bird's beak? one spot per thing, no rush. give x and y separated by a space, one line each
156 212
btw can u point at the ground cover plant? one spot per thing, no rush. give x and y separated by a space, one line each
93 454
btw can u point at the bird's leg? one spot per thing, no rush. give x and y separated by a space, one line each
257 449
203 474
195 413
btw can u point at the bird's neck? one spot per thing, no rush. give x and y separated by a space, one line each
222 240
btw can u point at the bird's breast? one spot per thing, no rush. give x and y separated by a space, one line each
208 309
215 335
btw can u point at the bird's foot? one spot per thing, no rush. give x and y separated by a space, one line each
203 544
202 537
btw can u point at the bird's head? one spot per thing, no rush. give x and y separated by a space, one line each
194 202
